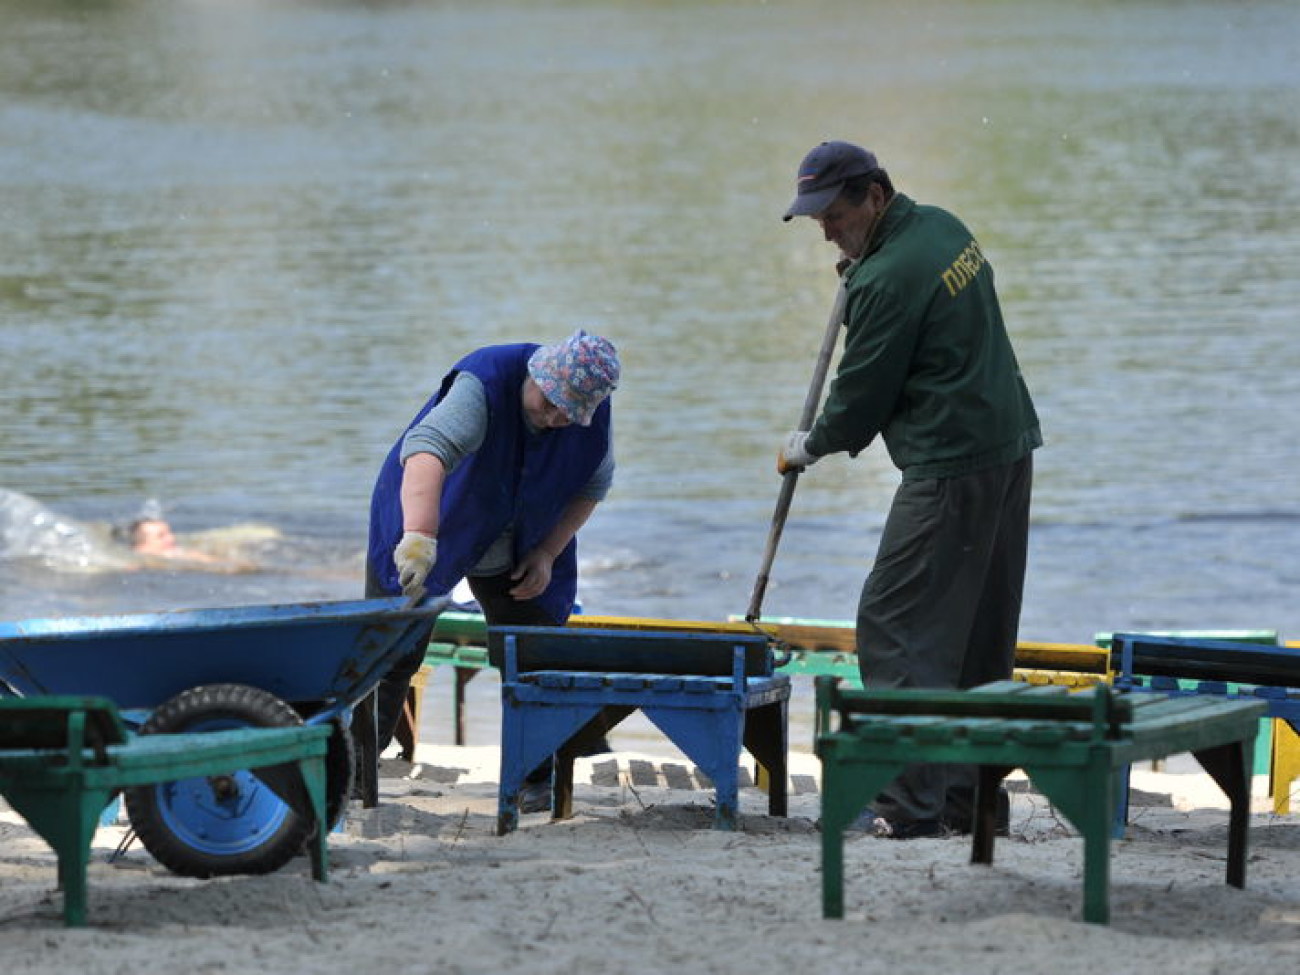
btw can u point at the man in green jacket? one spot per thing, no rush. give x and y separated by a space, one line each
928 366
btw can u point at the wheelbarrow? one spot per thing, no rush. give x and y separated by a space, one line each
213 669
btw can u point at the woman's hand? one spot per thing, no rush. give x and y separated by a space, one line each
533 574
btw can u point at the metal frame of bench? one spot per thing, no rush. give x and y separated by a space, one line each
1070 746
711 694
1236 668
63 759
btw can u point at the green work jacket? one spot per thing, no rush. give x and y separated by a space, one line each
927 363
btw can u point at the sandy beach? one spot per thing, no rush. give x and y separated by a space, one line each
638 881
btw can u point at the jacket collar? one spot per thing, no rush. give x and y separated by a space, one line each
899 209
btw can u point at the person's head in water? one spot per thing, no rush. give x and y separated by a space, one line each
151 536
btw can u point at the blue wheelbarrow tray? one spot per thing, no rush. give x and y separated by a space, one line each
321 657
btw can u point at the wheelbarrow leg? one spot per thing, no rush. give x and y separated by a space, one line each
365 733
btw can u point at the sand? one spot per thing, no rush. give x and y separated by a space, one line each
637 881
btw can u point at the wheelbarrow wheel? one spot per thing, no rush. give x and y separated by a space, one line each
218 825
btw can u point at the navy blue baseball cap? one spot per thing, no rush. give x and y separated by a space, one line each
822 174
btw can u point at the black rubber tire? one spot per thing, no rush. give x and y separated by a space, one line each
226 705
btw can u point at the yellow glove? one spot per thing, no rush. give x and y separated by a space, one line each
794 454
414 557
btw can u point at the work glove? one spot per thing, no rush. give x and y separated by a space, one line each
794 454
414 557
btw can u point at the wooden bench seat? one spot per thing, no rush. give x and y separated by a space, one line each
1069 744
711 694
63 758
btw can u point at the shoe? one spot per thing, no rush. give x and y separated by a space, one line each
870 821
916 829
865 823
535 797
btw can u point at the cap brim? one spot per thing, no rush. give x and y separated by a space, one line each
811 204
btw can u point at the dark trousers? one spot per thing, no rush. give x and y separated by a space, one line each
502 609
499 609
390 695
374 719
941 608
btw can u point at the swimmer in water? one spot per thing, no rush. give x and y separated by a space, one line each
152 537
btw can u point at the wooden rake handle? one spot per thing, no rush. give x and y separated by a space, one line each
791 478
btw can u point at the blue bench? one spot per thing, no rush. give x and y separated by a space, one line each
711 694
1189 666
807 648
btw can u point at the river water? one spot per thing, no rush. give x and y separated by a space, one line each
244 240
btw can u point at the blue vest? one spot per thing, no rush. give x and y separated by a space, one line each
515 478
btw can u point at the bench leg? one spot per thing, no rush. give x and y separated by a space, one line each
513 770
1285 765
847 788
579 743
1086 797
1230 766
1119 825
313 775
562 782
530 731
839 807
1096 864
301 784
726 779
989 778
66 818
74 856
463 676
711 738
766 739
73 864
832 871
365 734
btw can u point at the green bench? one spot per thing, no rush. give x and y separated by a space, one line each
1071 746
63 758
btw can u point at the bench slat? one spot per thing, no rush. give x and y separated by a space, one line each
1213 711
1025 689
1045 702
42 722
1190 658
1147 707
936 729
630 651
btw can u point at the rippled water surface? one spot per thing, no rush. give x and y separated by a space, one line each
244 240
